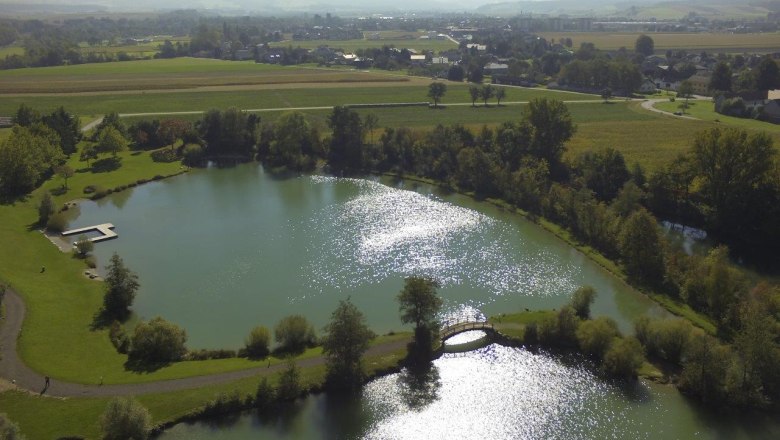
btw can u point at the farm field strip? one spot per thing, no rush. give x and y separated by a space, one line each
664 41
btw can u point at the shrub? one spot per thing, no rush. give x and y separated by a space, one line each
595 336
256 344
119 337
84 245
582 300
90 261
164 155
192 154
294 333
158 341
45 208
203 354
125 418
224 403
289 383
624 357
264 395
57 223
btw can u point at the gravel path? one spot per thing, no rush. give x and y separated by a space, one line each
14 370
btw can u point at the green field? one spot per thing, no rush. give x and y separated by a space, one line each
263 98
766 42
393 40
705 110
177 73
10 50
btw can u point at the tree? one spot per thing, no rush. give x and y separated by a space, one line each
550 125
720 81
500 94
456 73
734 171
486 92
346 339
65 172
419 303
582 300
475 94
436 91
256 344
111 140
346 144
121 286
644 45
595 336
767 74
606 94
26 116
685 90
125 418
292 141
24 159
294 333
45 208
641 247
623 358
84 245
8 429
67 127
158 341
88 152
370 123
172 130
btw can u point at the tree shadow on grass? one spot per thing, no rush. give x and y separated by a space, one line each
144 365
106 165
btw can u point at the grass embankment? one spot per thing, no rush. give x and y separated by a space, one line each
45 418
695 42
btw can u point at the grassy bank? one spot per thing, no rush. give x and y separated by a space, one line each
45 417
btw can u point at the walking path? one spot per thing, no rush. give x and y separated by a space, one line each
650 105
14 370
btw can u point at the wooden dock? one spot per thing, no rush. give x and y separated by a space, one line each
105 230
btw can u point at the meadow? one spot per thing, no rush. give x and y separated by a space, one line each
705 110
694 42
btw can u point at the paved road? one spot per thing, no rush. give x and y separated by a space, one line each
13 369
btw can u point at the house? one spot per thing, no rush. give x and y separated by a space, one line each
495 69
771 111
753 101
478 47
647 86
440 60
700 83
417 59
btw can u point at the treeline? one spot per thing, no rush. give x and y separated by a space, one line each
596 196
596 74
37 144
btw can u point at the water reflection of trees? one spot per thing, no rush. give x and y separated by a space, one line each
419 385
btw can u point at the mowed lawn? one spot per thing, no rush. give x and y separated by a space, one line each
177 73
765 42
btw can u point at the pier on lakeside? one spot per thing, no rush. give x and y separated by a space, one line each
105 230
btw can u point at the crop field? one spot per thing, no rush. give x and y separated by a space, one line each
139 50
673 11
178 73
389 40
767 42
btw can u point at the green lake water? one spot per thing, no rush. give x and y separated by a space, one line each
219 251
